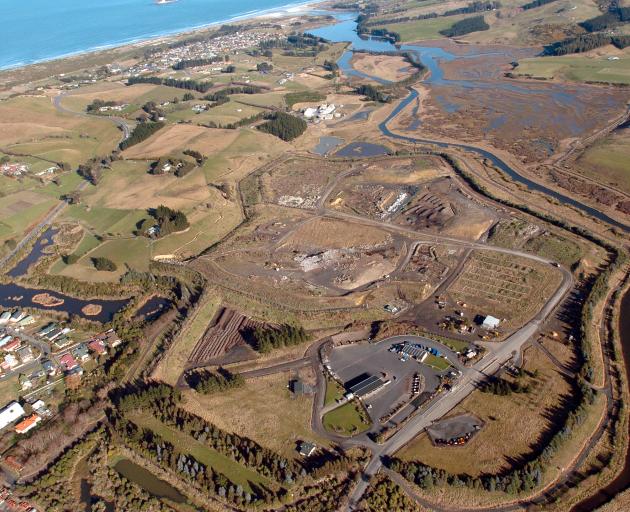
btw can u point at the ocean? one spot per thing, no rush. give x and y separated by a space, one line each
38 30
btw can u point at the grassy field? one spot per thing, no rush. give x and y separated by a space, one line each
9 390
419 30
334 391
32 126
263 409
235 472
438 363
513 424
577 68
347 420
22 211
171 367
607 160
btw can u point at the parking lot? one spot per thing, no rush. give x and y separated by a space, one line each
350 361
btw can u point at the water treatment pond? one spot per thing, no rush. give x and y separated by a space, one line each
362 149
148 481
326 144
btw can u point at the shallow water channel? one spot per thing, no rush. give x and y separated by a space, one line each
432 57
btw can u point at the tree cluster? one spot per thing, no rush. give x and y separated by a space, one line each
585 43
193 63
141 132
191 85
207 382
169 220
287 335
92 170
98 103
466 26
383 494
502 387
199 158
608 20
284 126
536 3
373 93
103 264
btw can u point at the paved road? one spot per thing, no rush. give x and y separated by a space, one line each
469 381
278 368
118 121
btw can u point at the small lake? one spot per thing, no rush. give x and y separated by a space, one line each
44 241
148 481
362 149
326 144
13 295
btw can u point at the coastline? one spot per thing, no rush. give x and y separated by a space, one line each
288 10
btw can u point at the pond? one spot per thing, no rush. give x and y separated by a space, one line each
362 149
13 295
326 144
153 308
148 481
36 253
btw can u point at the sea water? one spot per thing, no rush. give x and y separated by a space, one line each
37 30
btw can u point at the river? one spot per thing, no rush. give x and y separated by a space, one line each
432 57
13 295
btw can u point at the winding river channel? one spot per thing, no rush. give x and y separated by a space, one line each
432 57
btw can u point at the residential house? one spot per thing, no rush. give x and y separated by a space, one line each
112 340
27 320
25 354
9 362
4 317
25 382
98 347
50 368
68 362
306 449
81 353
12 345
17 316
45 330
28 424
5 339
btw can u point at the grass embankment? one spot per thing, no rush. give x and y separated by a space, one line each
347 420
172 366
232 470
334 391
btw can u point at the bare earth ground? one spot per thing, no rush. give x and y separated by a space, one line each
387 67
